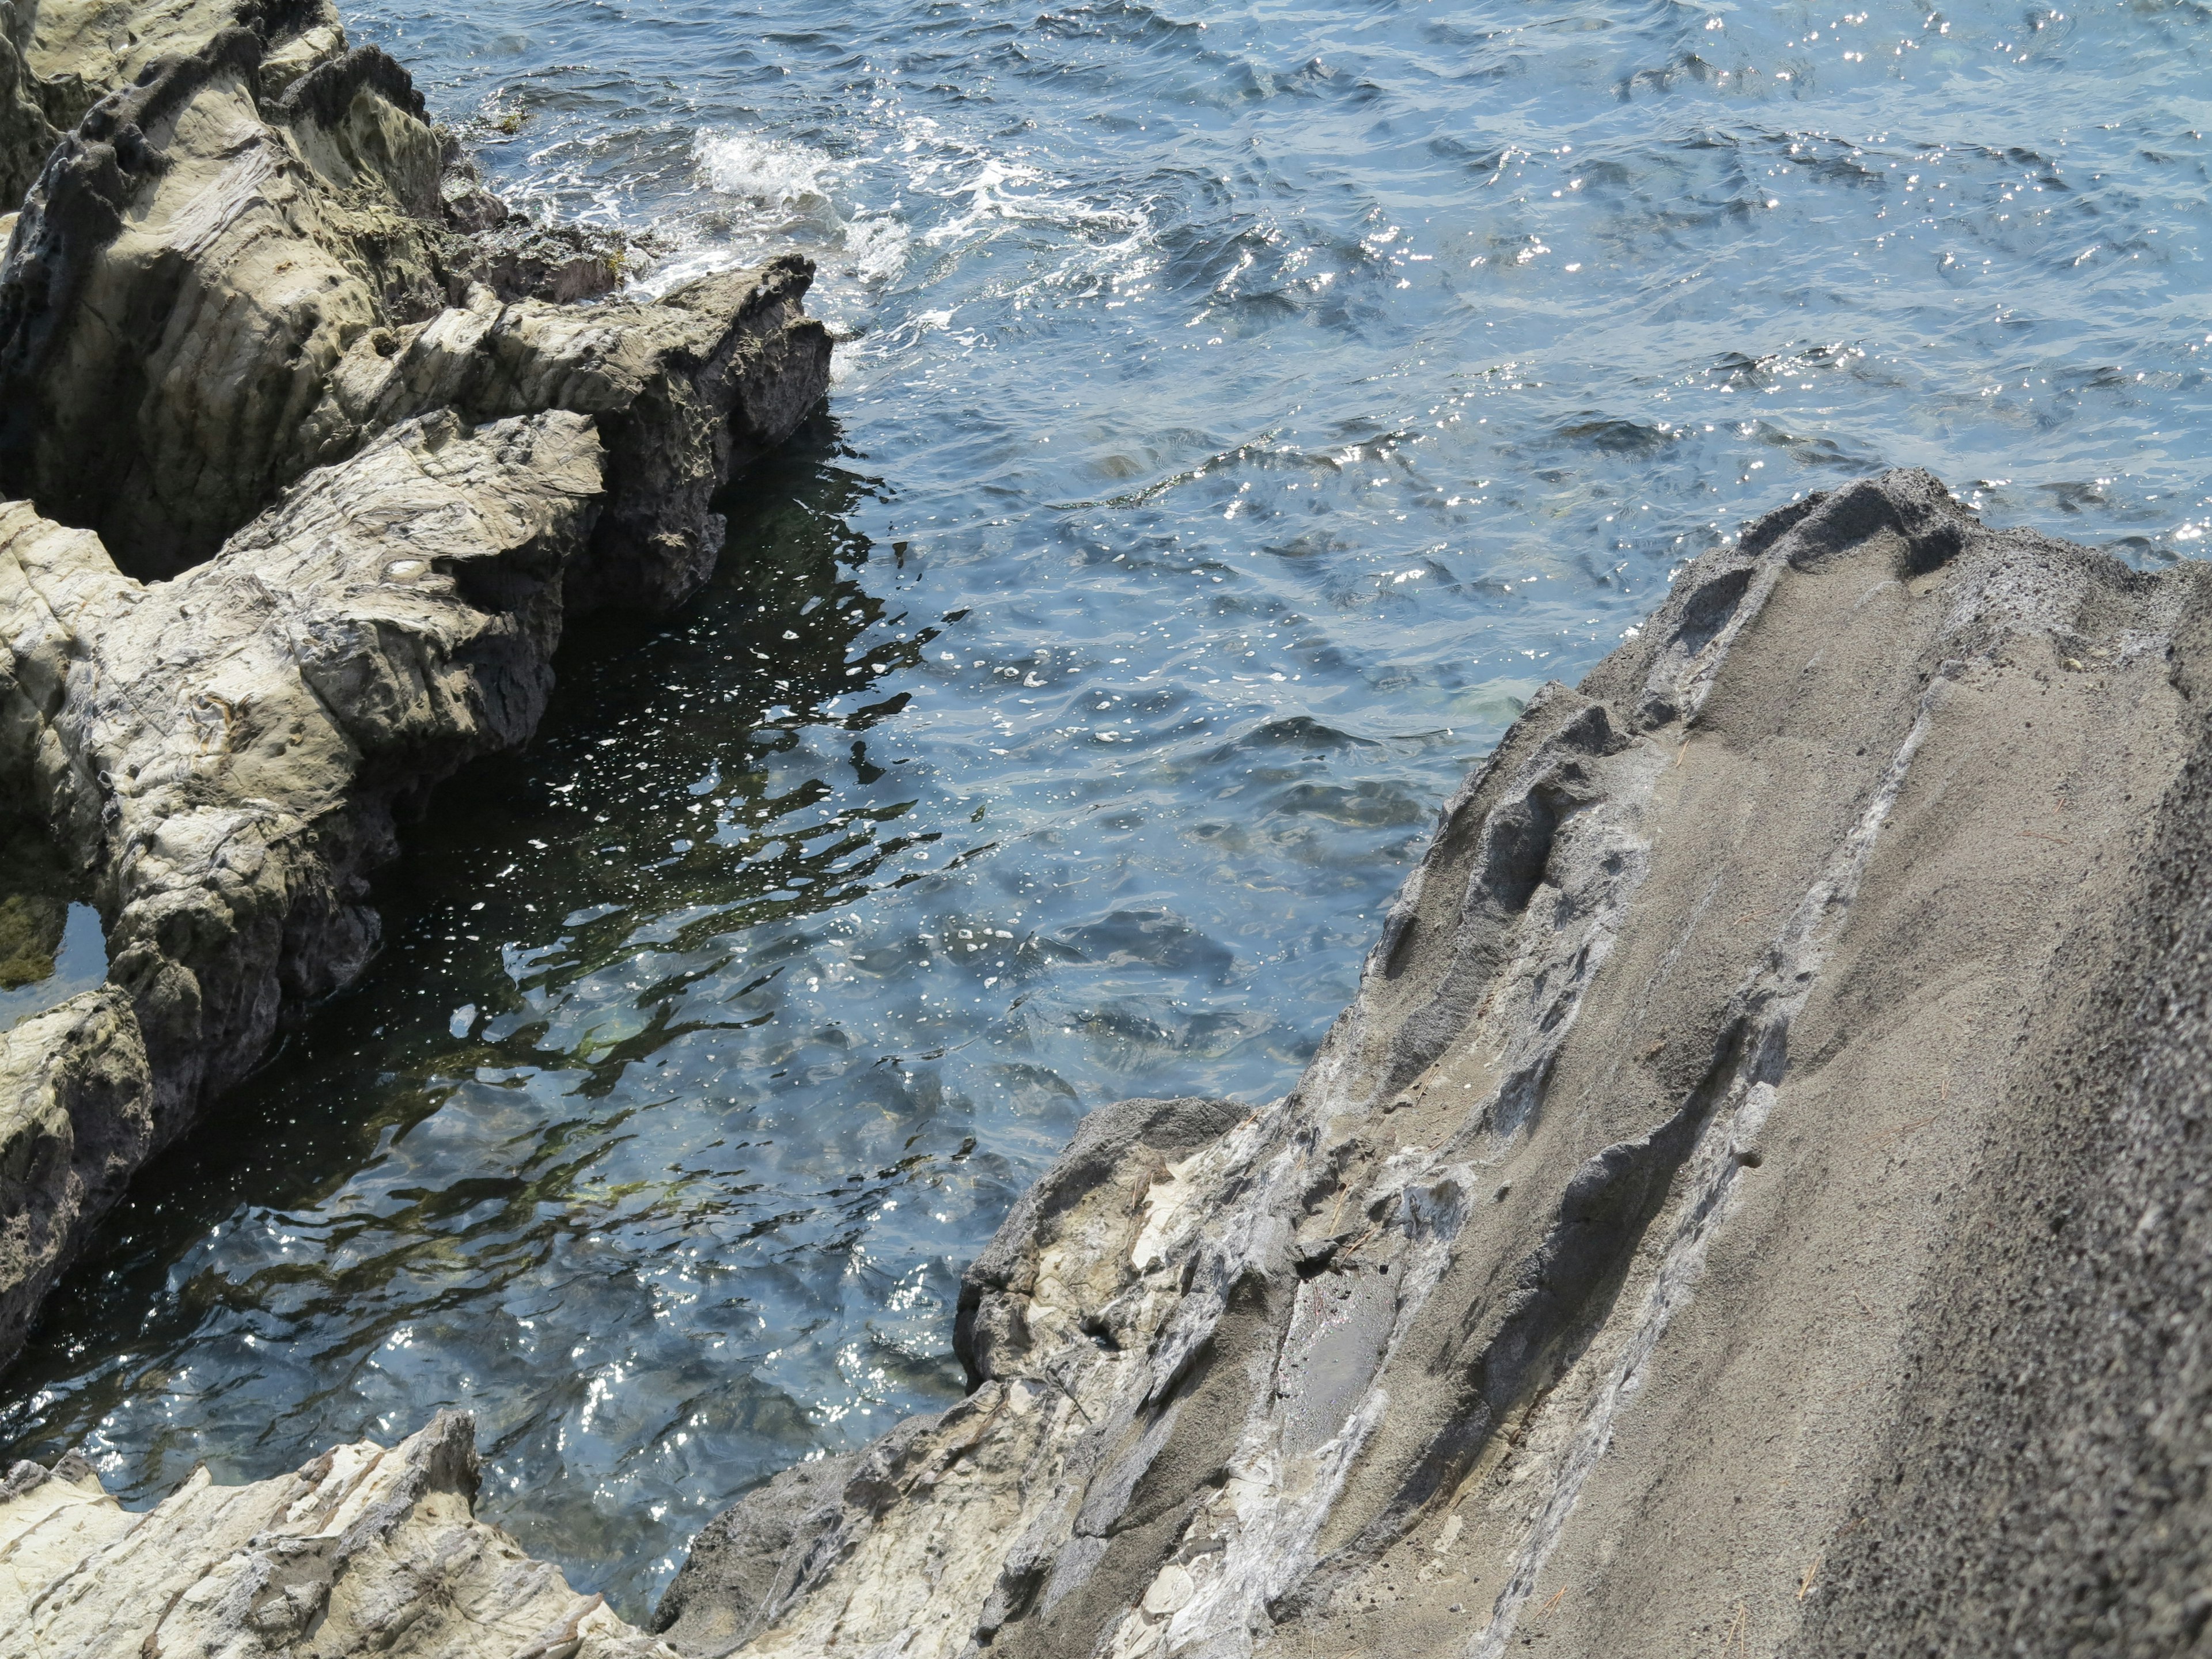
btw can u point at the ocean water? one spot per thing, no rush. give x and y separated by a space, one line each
1239 411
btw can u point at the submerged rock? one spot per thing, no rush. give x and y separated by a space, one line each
365 1550
1572 1293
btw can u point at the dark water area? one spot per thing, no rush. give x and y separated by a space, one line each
1240 411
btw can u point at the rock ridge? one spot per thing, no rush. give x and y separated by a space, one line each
307 460
1572 1294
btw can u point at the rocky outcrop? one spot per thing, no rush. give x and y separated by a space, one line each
216 285
1573 1295
365 1550
76 1120
58 57
311 464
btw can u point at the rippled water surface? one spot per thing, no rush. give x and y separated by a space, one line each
1241 410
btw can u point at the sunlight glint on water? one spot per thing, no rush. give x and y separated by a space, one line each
1240 412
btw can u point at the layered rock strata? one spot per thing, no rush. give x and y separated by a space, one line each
365 1550
1571 1295
312 463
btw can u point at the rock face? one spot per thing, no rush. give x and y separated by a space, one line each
220 281
365 1550
1679 1135
311 463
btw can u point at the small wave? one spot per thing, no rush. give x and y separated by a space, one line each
774 171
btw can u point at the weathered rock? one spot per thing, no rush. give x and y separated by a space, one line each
225 751
254 281
1572 1294
76 1120
365 1550
27 134
2043 1490
218 284
58 57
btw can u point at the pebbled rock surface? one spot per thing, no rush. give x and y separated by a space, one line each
365 1550
1572 1298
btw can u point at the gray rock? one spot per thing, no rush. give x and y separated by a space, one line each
365 1550
225 752
311 463
74 1122
283 258
1572 1295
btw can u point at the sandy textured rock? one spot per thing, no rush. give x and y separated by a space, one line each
1571 1295
365 1550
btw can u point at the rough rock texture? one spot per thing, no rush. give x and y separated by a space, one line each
220 281
1570 1298
59 57
2045 1490
365 1550
75 1120
311 460
226 751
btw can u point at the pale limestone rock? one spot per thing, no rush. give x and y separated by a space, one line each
365 1550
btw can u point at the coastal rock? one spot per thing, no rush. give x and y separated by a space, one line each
287 286
365 1550
311 461
58 57
1572 1293
226 751
75 1120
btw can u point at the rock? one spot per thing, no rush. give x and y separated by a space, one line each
26 134
1572 1293
365 1550
58 57
76 1121
225 751
311 460
2042 1489
284 262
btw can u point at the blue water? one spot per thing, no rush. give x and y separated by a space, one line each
1240 411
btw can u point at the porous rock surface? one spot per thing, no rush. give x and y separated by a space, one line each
365 1550
1698 1111
304 463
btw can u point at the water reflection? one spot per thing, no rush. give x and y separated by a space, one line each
52 945
1240 412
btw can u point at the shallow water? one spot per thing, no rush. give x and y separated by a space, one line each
1242 410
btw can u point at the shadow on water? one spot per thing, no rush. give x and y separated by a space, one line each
670 734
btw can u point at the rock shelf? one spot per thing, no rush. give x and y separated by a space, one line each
311 457
1631 1270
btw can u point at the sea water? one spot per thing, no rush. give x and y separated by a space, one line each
1239 411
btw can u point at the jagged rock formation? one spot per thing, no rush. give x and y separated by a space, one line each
1572 1295
311 464
58 57
219 282
365 1550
